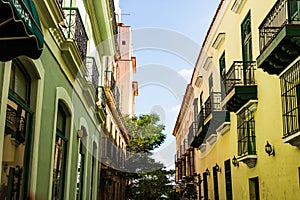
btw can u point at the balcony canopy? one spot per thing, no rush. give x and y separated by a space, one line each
20 30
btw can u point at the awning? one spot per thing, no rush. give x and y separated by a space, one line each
20 30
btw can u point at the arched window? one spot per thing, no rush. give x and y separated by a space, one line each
81 164
60 153
17 136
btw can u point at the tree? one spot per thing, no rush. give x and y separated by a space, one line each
152 185
146 133
147 179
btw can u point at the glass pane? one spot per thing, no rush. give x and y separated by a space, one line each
14 154
58 169
20 84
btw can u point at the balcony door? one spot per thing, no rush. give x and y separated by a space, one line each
246 47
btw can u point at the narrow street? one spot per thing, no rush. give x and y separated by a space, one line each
149 100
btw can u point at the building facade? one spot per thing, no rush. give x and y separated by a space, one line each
56 102
245 82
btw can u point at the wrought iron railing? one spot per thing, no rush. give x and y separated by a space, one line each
213 103
200 117
75 30
246 133
240 73
92 72
102 97
283 12
192 132
290 100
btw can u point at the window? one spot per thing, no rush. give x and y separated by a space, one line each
246 133
17 136
254 188
216 184
192 167
210 83
228 182
294 10
60 154
123 42
80 165
246 39
222 67
93 168
290 97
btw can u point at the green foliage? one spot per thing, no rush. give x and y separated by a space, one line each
146 133
148 179
152 185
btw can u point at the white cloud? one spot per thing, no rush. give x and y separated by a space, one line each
186 73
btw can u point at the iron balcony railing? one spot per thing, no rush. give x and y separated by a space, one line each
92 72
213 103
75 30
200 117
240 74
283 12
289 82
102 97
192 132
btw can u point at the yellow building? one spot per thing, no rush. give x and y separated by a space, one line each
240 117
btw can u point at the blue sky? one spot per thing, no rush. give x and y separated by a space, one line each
167 36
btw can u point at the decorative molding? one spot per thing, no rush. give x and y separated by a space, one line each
251 105
223 128
212 138
207 63
238 6
199 81
57 36
89 93
219 40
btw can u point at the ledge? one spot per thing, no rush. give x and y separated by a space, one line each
293 139
249 160
202 147
251 105
223 128
71 55
212 139
89 94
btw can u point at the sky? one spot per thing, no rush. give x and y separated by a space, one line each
166 38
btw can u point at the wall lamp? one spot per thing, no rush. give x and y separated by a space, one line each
235 162
217 167
269 149
207 172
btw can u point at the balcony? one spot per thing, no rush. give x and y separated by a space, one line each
101 104
279 37
240 85
74 29
193 139
214 116
289 82
90 89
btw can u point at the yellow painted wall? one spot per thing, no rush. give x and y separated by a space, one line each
278 175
